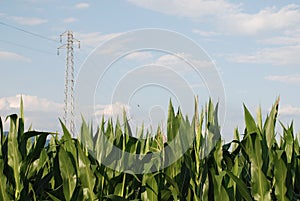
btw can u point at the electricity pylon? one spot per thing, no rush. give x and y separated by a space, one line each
69 80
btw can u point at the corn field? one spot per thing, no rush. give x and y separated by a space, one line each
255 165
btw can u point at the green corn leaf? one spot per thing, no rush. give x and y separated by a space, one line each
236 138
67 135
166 194
257 152
115 198
14 156
69 144
249 121
218 156
103 146
68 173
3 188
37 149
30 170
53 197
127 128
196 116
269 127
288 142
259 119
280 172
171 119
212 128
21 122
219 190
260 185
174 186
241 186
86 176
1 136
151 192
21 108
86 137
119 190
210 112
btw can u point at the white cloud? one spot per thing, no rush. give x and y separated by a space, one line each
111 109
42 113
266 20
205 33
283 51
171 61
141 55
11 56
288 110
69 20
31 103
93 39
187 8
82 5
287 79
290 39
31 21
286 55
182 61
228 17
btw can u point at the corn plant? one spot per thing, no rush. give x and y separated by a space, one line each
253 166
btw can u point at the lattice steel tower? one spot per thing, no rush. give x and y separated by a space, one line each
69 80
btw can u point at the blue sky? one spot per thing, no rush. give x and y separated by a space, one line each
255 46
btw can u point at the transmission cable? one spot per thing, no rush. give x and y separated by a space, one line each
26 47
28 32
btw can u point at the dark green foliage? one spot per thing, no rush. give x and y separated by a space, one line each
255 167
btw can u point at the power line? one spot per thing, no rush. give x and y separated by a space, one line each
28 32
26 47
